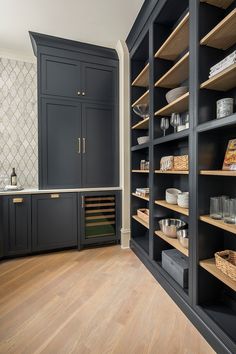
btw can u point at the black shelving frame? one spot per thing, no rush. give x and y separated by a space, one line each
209 303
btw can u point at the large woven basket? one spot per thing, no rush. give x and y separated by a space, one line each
226 262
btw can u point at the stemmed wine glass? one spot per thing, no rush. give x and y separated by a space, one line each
164 125
175 121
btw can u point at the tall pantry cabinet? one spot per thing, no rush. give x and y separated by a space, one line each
78 114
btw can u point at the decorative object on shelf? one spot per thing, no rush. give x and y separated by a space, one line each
164 125
170 226
176 265
223 64
224 107
230 156
175 93
181 163
142 110
226 262
144 165
167 163
187 120
143 214
182 236
143 140
183 199
175 121
172 195
142 192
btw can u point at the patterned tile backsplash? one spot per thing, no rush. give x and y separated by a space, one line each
18 121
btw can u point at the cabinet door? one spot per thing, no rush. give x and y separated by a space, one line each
17 224
99 83
60 144
54 221
100 217
60 76
100 157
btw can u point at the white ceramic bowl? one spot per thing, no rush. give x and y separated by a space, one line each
172 95
172 195
183 199
143 140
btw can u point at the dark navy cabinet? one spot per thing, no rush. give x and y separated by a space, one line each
54 221
17 225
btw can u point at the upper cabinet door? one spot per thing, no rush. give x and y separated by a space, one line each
60 144
100 153
99 83
60 77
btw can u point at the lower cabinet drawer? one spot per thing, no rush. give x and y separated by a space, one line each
17 225
54 221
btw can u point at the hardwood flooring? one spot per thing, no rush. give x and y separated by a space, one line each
97 301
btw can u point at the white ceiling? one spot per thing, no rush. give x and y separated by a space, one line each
101 22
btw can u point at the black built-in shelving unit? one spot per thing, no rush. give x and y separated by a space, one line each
169 47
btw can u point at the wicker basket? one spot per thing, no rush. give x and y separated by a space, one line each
226 262
181 163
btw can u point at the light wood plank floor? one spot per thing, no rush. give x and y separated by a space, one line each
96 301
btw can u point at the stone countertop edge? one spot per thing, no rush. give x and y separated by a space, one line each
49 191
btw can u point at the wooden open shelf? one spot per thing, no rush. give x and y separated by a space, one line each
219 223
173 242
219 3
224 81
142 80
218 173
178 106
177 42
135 217
222 36
176 75
140 171
172 172
143 124
138 196
173 207
209 265
143 99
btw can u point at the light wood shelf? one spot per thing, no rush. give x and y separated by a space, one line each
143 99
142 80
140 171
173 242
224 4
219 223
218 173
222 36
135 217
178 106
209 265
223 81
173 207
172 172
177 42
176 75
138 196
143 124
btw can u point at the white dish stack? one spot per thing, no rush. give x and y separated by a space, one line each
223 64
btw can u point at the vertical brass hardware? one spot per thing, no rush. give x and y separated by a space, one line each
18 200
82 201
55 196
78 93
83 93
79 146
84 145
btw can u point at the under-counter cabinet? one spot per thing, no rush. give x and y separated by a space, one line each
54 221
17 225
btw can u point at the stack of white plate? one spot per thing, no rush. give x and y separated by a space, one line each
172 195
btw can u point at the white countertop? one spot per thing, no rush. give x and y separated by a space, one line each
47 191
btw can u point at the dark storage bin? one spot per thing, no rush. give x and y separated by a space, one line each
176 264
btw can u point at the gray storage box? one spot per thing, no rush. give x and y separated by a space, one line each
176 265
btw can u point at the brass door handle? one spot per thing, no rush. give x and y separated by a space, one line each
84 145
18 200
55 196
79 146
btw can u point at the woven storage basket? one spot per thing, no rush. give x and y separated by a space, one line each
226 262
181 163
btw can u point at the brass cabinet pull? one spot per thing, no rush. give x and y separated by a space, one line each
55 196
18 200
84 145
79 146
